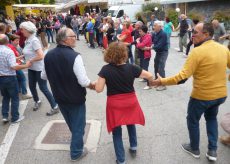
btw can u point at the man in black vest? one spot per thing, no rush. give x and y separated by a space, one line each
65 71
183 26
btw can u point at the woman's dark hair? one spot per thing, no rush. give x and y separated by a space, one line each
167 20
144 28
195 21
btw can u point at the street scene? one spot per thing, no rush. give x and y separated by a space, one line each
104 84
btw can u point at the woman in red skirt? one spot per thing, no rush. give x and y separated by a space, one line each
122 106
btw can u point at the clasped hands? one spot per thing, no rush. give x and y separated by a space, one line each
155 82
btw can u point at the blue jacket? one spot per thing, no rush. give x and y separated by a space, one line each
160 41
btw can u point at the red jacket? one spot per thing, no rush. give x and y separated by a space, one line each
145 41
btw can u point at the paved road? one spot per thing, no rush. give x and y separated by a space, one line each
158 141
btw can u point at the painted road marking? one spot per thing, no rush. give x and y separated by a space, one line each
10 135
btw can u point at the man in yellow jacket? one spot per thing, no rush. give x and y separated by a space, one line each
207 64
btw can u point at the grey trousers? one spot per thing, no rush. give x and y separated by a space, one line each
183 42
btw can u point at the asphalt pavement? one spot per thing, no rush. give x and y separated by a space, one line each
158 141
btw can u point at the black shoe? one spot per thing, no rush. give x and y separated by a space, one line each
37 105
133 153
84 153
180 51
187 148
211 155
52 112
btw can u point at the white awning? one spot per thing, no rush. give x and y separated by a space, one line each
34 5
97 1
75 2
179 1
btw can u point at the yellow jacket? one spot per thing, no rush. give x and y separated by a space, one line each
207 64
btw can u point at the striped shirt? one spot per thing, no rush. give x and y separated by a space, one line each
7 61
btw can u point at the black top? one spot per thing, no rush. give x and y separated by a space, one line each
120 78
183 27
63 81
110 33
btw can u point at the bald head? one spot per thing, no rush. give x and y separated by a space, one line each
202 32
3 39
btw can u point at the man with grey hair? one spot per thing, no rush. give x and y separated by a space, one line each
8 81
65 71
160 42
207 64
75 25
135 34
219 31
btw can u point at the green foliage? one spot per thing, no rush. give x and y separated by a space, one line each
173 16
195 15
147 11
222 16
150 6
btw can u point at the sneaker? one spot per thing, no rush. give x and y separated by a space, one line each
161 88
84 153
37 105
225 140
185 56
53 111
133 153
179 51
187 148
18 120
27 96
147 88
211 155
5 120
141 80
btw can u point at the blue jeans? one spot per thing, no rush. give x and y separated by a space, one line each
91 39
130 54
21 82
34 78
75 118
144 63
118 143
9 90
159 63
50 35
76 31
210 110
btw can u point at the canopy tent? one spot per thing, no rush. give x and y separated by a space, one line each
90 2
179 1
82 2
34 6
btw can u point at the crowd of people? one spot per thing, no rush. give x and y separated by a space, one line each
21 48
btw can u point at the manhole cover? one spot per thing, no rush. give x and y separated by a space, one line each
55 135
59 133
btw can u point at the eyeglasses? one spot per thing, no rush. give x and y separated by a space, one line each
196 32
74 36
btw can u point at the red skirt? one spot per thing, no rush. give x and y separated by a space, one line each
105 42
123 109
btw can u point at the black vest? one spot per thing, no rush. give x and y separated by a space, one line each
63 82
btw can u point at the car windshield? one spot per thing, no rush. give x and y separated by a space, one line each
112 13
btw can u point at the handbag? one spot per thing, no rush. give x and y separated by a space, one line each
225 122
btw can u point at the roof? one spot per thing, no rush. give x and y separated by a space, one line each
179 1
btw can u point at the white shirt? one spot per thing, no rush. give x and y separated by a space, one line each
79 71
